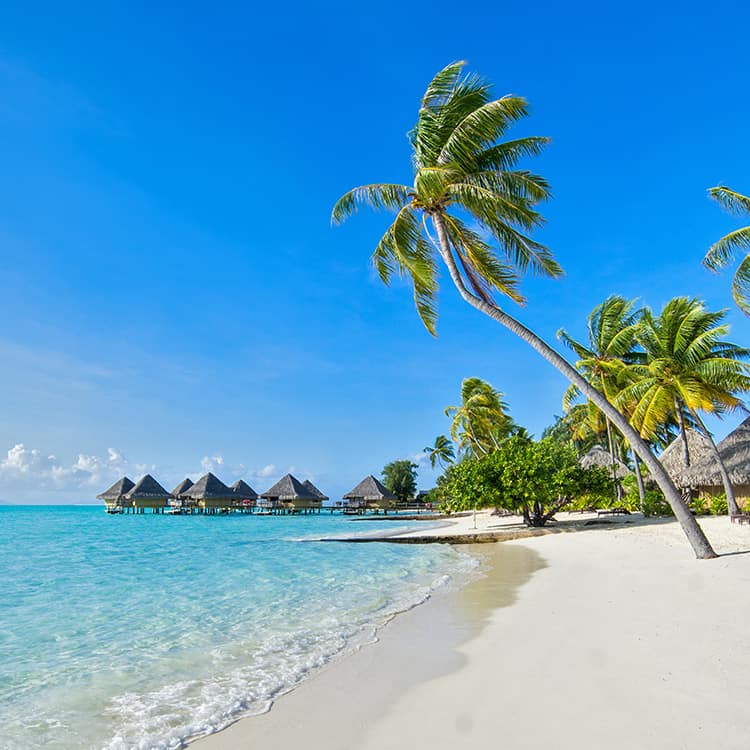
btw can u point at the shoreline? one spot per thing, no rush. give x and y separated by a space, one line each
427 637
620 640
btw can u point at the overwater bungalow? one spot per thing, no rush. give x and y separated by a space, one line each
704 478
310 486
114 497
148 493
246 496
211 494
180 498
291 496
370 493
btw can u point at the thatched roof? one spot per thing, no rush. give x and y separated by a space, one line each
182 487
734 450
244 491
117 490
310 486
370 489
210 487
597 456
147 487
289 488
673 457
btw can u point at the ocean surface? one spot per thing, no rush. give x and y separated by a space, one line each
123 632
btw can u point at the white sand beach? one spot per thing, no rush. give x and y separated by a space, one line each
612 636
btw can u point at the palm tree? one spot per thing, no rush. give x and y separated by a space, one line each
722 253
582 425
482 421
441 452
689 368
469 191
612 329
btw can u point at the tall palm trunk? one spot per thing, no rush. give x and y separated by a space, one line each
683 432
639 477
611 441
693 531
732 507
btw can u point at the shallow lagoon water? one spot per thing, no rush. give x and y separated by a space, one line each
141 631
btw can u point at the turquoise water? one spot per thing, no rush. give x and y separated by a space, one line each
141 631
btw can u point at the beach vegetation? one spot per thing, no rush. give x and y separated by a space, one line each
689 367
654 504
718 505
400 478
535 479
481 422
573 428
441 452
472 209
612 345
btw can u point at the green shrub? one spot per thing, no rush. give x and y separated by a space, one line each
588 501
632 502
654 504
699 506
718 505
631 498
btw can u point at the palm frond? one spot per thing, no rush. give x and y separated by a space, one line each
488 206
741 282
506 155
480 128
442 84
722 252
484 270
377 196
518 184
730 200
577 347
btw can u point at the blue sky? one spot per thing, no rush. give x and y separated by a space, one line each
174 297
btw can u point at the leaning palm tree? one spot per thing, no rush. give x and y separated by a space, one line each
689 369
723 252
612 329
441 452
481 422
471 208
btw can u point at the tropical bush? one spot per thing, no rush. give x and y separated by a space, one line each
631 498
718 505
535 479
654 504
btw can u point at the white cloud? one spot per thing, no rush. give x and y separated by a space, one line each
212 463
28 470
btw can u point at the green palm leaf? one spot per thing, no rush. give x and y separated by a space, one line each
392 197
723 252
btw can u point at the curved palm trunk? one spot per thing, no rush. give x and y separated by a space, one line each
475 441
693 531
732 507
